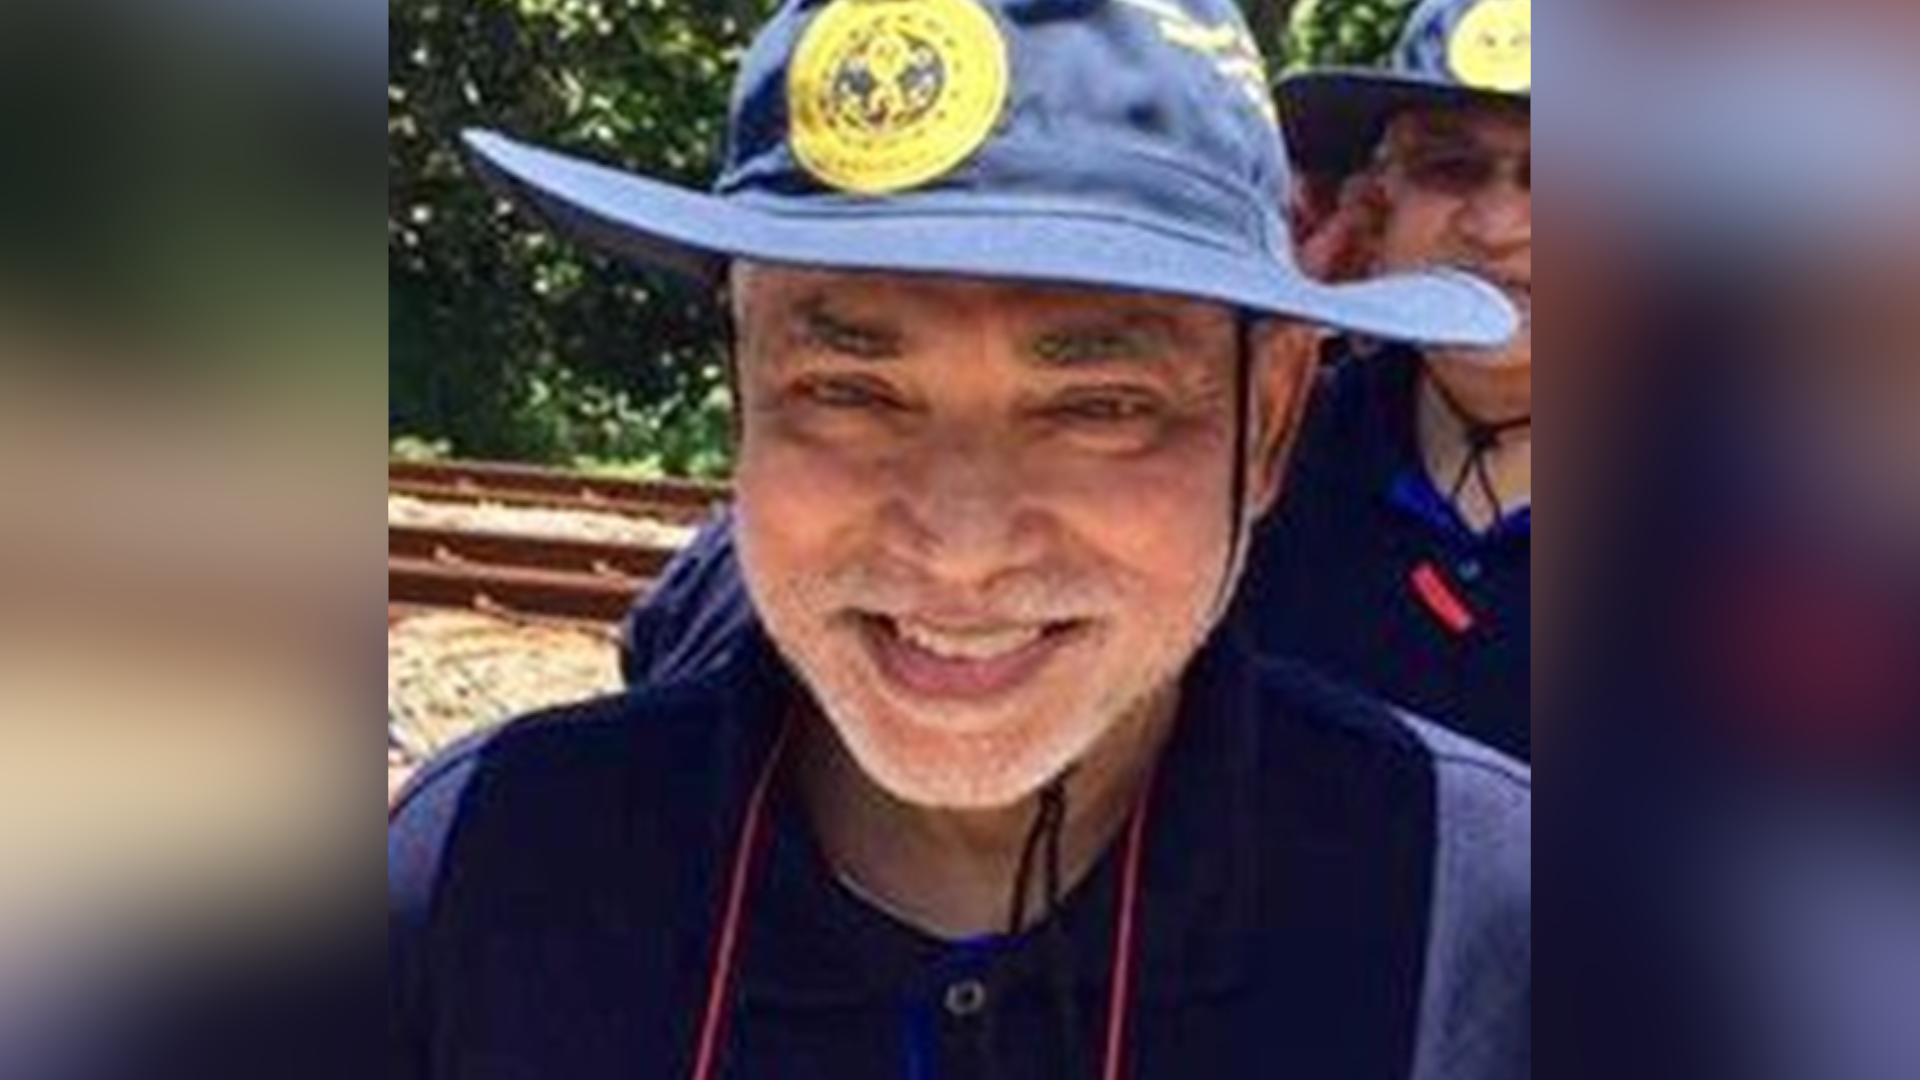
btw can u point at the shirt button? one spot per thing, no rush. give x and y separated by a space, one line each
1472 570
966 1000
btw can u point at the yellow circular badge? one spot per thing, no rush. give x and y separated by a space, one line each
887 95
1492 47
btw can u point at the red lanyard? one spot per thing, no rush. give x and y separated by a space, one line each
746 859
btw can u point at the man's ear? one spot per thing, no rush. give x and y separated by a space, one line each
738 338
1286 367
1343 243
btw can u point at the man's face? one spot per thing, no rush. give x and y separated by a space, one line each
1456 190
989 525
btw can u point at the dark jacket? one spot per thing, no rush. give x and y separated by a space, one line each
1330 890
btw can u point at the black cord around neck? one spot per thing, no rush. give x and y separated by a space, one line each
1044 856
1483 437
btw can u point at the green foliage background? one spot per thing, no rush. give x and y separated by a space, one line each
506 343
1343 32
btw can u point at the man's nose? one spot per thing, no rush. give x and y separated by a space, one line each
964 510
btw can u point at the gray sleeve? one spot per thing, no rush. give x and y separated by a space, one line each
1477 1015
419 832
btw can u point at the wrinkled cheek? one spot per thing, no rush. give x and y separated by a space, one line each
779 521
791 502
1168 531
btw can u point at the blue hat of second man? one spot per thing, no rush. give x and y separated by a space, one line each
1115 144
1452 54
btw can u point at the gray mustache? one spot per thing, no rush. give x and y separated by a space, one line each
1028 597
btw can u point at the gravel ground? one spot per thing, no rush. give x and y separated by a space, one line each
450 675
521 521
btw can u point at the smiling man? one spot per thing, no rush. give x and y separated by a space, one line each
1401 560
983 792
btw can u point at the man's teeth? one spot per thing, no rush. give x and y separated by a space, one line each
969 646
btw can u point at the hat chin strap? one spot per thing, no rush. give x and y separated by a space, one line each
1237 535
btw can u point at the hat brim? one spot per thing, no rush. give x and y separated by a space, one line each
665 227
1335 117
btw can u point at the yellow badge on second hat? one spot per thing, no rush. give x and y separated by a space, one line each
1492 47
887 95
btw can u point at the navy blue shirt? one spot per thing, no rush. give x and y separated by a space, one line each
1329 890
697 615
1365 571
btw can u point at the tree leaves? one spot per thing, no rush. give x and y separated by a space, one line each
1344 32
516 344
506 342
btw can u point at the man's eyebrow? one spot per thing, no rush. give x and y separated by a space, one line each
1141 338
1432 139
1444 131
818 324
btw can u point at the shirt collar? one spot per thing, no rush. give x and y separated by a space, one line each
1388 384
1413 493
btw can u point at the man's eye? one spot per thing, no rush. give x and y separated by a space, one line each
1108 410
848 395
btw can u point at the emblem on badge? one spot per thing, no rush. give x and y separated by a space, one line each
1492 47
888 95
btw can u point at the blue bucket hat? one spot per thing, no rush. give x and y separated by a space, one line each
1453 54
1113 144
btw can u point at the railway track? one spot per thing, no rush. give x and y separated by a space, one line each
521 576
473 483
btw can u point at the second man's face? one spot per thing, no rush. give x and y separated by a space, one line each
1456 190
